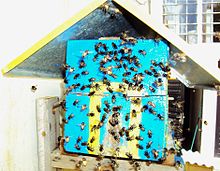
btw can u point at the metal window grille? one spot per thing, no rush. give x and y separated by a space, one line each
195 21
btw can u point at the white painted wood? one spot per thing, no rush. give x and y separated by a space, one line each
47 130
18 132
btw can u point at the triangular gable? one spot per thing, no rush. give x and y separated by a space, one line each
192 72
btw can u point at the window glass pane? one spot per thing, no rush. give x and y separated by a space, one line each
192 18
191 8
192 28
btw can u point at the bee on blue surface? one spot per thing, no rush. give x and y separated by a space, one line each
139 146
91 93
75 102
91 114
76 76
141 127
142 52
149 144
149 133
82 126
146 154
77 146
82 64
79 139
70 116
84 72
127 117
139 138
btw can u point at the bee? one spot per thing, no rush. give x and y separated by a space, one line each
142 52
125 96
116 138
155 153
77 146
97 46
151 104
84 72
113 99
126 74
152 69
112 132
148 72
122 131
92 140
90 148
141 127
118 66
154 63
136 101
83 87
152 89
98 108
78 139
125 66
82 126
132 40
85 53
75 102
139 138
76 76
160 117
127 133
139 146
64 120
106 104
94 59
116 108
94 127
101 148
107 110
127 116
165 75
129 86
67 139
149 133
104 47
122 87
114 45
110 89
137 64
144 108
83 107
160 80
134 113
129 155
132 127
91 93
152 111
161 65
82 64
85 143
149 144
97 86
113 75
91 114
70 116
106 81
133 69
103 117
156 74
140 87
146 154
92 79
168 68
125 81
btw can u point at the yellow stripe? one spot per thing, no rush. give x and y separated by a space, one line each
85 11
136 132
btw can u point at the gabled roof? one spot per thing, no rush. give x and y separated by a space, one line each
45 57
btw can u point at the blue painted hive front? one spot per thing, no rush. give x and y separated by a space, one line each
116 98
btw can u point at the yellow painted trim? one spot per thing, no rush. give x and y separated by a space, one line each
77 17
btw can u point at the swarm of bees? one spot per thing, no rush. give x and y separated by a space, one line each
126 70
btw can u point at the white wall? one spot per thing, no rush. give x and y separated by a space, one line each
18 134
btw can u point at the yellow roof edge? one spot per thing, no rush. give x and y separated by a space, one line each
57 31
